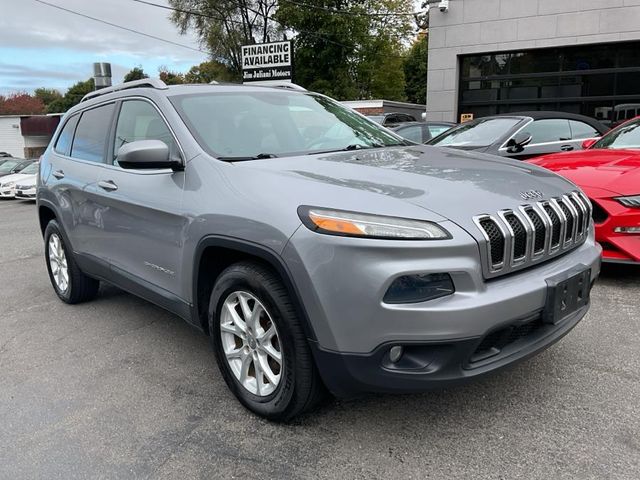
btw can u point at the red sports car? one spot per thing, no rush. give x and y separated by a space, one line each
608 171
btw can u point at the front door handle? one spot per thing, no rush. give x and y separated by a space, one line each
59 174
107 185
566 148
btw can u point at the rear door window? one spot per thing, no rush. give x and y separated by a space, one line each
63 144
548 130
581 130
90 140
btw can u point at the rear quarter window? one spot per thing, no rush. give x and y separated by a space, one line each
63 143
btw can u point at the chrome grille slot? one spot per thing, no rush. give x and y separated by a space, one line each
579 208
496 239
570 220
519 233
532 233
540 231
556 225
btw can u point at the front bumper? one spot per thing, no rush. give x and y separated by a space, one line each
7 192
341 282
26 194
436 365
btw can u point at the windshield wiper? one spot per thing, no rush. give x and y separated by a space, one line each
349 148
260 156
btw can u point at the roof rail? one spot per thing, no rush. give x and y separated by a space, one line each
146 82
288 85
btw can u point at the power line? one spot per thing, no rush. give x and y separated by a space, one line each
229 20
273 19
351 12
131 30
188 12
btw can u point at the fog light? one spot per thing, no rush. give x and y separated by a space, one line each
419 288
395 354
630 230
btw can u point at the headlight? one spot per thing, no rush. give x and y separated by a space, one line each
8 184
351 224
631 202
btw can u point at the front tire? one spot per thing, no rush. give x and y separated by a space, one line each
68 281
260 345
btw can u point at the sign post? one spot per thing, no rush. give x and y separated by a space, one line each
267 62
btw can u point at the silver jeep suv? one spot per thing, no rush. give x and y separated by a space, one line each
318 250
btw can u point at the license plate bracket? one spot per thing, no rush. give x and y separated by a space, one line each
567 293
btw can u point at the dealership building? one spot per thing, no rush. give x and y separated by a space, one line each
499 56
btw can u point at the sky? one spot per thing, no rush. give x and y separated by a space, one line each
41 46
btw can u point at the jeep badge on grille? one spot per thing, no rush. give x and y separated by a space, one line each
531 195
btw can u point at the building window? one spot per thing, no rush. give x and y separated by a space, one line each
600 81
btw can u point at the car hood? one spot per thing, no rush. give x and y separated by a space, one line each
453 184
617 171
14 177
27 180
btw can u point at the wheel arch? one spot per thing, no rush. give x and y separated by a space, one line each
46 213
214 254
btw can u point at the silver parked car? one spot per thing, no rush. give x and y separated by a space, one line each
521 136
318 250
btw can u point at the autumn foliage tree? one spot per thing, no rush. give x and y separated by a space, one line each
21 104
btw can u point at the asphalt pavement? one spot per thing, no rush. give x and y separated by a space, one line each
118 388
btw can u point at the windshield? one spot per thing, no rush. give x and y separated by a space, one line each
245 125
31 169
8 166
480 133
625 136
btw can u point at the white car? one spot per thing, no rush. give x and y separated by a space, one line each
26 188
25 177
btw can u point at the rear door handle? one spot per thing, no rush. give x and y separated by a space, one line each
566 148
59 174
107 185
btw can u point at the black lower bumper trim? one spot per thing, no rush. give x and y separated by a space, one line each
441 364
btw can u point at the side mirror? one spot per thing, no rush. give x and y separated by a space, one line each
517 143
147 155
588 143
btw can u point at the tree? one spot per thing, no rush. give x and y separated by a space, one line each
136 73
169 77
348 48
206 72
72 97
21 104
415 71
225 25
48 96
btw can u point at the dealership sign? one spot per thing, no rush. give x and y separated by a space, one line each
265 62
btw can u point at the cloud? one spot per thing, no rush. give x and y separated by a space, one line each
43 46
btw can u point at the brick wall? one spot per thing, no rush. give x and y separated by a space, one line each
370 111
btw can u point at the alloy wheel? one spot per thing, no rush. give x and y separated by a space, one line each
251 344
58 263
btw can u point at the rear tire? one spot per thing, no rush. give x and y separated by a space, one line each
290 387
68 281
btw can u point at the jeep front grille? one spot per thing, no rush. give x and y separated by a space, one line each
532 233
